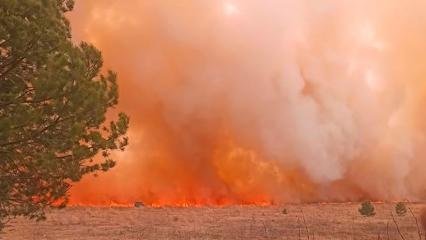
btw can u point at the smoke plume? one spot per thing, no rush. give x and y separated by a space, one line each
252 101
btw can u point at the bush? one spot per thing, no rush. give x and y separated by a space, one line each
367 209
400 209
285 212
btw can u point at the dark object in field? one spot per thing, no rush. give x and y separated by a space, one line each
400 209
285 212
139 204
423 219
367 209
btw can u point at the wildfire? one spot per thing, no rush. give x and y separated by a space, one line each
262 102
175 203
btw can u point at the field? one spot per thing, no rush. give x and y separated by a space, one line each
322 221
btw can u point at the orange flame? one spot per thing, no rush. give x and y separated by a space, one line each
247 102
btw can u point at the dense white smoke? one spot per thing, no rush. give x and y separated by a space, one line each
327 96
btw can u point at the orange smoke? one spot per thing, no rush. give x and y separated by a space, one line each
260 102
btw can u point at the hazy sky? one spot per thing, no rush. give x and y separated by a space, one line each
241 101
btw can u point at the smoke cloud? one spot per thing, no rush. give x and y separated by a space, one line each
250 101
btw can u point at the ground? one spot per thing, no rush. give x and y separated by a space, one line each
323 221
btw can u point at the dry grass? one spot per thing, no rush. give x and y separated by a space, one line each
322 221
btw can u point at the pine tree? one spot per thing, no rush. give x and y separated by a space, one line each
53 101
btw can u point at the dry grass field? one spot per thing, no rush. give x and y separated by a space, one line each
323 221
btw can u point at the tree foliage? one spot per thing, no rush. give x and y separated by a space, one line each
53 102
367 209
400 209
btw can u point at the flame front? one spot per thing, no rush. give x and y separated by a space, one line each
262 102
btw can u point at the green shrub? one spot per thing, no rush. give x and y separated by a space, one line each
367 209
400 209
